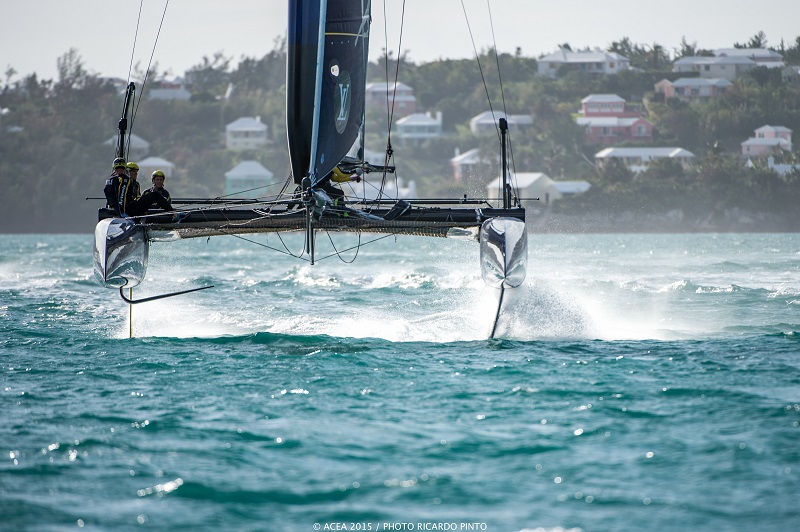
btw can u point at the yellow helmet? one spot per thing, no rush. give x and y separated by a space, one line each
119 162
159 173
132 166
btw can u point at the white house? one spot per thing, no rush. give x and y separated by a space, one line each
418 127
170 89
780 169
594 61
138 148
761 56
530 185
487 122
728 67
150 165
639 159
247 179
246 133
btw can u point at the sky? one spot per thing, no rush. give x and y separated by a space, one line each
34 33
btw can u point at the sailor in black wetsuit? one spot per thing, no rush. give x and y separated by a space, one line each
133 172
336 176
117 190
157 195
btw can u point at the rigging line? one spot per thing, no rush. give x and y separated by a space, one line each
339 253
135 37
147 72
499 307
390 106
360 244
502 95
480 68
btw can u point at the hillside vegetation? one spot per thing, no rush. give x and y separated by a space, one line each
53 156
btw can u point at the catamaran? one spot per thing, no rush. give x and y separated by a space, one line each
327 56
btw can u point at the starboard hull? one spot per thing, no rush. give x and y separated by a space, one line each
120 253
504 252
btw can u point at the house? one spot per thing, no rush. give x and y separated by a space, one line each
639 159
761 56
768 139
169 89
465 164
607 119
692 89
781 169
594 61
247 180
151 164
611 129
399 95
418 127
530 185
138 148
487 122
727 67
246 133
606 105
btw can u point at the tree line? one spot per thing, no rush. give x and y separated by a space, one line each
53 156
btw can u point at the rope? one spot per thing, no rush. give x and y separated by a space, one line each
147 72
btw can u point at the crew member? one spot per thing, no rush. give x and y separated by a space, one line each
117 189
156 195
337 176
134 186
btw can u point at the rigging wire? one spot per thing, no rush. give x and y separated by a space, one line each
483 77
147 72
502 96
390 102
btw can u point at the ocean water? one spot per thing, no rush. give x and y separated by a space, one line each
638 382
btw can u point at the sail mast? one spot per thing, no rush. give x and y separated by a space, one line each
312 164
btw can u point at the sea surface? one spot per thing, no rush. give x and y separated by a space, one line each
637 382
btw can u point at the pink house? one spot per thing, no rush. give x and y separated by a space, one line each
768 140
692 89
399 95
608 119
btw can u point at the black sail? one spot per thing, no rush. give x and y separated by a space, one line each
325 100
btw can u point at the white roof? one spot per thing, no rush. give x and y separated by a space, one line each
520 179
708 60
382 86
572 187
156 161
701 82
776 129
643 152
418 119
468 157
135 141
752 53
249 169
583 56
603 98
608 121
487 117
246 123
753 141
